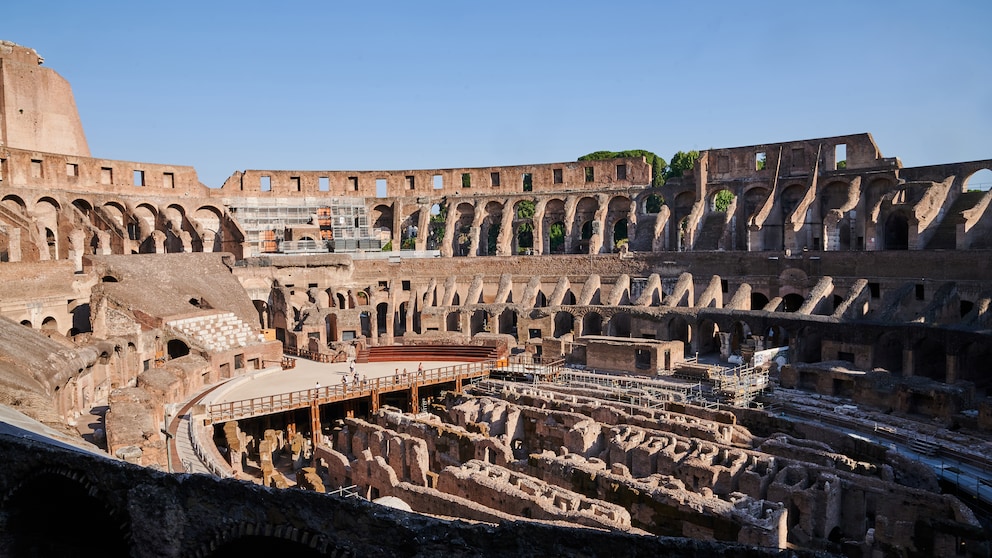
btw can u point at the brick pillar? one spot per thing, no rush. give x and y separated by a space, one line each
952 369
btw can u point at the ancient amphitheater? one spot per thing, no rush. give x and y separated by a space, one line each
613 367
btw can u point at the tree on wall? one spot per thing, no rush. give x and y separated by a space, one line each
658 164
722 201
556 238
525 231
681 162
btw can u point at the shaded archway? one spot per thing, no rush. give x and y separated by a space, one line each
592 324
508 322
896 232
619 325
792 302
758 301
564 323
96 532
177 348
930 359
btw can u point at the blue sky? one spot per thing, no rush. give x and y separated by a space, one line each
225 86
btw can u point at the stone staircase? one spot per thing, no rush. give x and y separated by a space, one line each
924 447
216 332
945 237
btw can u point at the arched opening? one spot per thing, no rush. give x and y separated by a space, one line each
568 298
592 324
965 307
564 323
758 301
653 203
177 348
809 345
897 232
479 322
365 319
792 302
556 238
27 323
331 324
50 325
709 338
619 325
96 532
508 322
980 181
262 309
399 321
620 234
451 322
382 317
973 364
81 318
930 360
678 330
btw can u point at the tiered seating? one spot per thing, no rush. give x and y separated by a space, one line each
216 332
463 353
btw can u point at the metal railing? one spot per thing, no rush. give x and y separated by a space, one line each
259 406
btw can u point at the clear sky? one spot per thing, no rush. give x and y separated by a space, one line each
353 85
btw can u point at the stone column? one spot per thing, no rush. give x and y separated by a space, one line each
158 238
77 247
570 204
632 223
397 233
599 226
423 227
538 222
476 232
14 244
504 242
448 242
725 348
907 363
952 369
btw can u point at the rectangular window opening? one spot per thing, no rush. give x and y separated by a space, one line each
239 361
920 292
533 333
410 184
139 178
590 174
557 176
528 181
759 160
168 180
265 183
381 191
621 172
3 167
437 181
724 285
840 156
106 175
324 184
466 180
873 289
723 163
494 179
71 169
353 183
294 183
35 168
406 284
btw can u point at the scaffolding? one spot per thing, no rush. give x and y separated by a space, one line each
740 386
343 224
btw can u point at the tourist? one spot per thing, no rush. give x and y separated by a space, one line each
351 366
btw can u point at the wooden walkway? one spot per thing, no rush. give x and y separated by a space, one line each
315 397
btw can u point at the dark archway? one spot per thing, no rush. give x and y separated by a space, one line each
619 325
758 301
564 323
930 360
29 521
592 324
897 232
177 348
792 302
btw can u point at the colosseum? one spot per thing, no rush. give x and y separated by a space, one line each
785 351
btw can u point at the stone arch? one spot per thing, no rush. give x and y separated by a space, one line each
479 322
553 227
490 228
568 299
14 202
708 339
809 345
584 224
758 300
592 324
50 325
410 229
981 179
930 359
620 325
678 329
177 348
564 323
208 219
142 226
896 232
652 204
382 317
461 241
508 322
973 363
540 300
451 321
523 223
101 531
792 302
